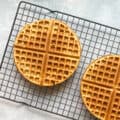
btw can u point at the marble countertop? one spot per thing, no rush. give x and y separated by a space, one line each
103 11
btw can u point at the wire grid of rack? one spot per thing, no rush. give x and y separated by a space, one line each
63 99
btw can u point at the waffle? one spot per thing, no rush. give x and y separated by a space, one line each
100 87
46 52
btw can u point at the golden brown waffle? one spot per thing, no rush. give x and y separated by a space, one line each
100 87
46 52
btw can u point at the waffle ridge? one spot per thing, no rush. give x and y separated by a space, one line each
56 43
100 87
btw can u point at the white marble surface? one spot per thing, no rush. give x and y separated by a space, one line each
103 11
14 111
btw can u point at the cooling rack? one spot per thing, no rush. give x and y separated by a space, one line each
63 99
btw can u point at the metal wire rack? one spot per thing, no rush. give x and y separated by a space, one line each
63 99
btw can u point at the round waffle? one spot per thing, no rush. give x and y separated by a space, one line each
100 87
46 52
